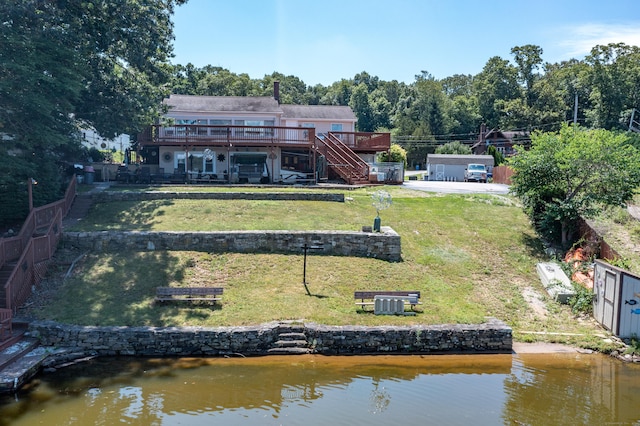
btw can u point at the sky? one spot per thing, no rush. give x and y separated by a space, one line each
324 41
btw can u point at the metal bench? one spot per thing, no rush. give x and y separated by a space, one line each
367 297
191 294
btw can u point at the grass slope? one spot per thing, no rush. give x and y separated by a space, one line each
471 256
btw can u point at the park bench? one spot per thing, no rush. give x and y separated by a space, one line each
5 322
192 294
366 297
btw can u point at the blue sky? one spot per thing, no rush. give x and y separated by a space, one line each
323 41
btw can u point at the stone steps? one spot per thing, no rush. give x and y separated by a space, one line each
20 362
291 340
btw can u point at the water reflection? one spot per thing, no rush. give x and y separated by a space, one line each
490 389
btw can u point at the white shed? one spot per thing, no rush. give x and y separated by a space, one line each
451 167
616 303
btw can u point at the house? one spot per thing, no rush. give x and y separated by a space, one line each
503 141
257 140
451 167
92 139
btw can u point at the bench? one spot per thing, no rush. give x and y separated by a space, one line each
5 322
191 294
411 297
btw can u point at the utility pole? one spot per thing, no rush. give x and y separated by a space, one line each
30 183
575 110
306 247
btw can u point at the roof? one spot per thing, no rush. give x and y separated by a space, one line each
222 103
460 159
319 112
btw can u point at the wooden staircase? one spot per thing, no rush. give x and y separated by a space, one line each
342 160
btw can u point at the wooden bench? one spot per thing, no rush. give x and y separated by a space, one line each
411 297
5 322
192 294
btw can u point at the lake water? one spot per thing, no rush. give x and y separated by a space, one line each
524 389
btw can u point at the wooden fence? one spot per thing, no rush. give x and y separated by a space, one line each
502 174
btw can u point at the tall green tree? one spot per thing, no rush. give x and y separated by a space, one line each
573 173
362 108
528 59
615 80
454 147
496 84
65 64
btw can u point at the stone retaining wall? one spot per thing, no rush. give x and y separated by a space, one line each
108 196
491 337
383 245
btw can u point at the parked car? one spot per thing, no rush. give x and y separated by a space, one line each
475 173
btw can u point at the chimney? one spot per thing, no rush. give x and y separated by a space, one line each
483 132
276 91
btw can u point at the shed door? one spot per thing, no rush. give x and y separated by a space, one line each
609 293
439 171
604 286
629 307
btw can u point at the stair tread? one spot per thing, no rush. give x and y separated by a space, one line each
289 351
302 336
291 343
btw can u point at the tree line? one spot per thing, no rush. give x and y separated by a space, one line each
72 64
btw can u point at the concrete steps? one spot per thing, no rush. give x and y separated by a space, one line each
291 340
19 363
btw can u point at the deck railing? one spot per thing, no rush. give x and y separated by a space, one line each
226 135
364 141
202 134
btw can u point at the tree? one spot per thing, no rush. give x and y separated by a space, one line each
498 157
362 108
573 173
66 64
454 147
396 154
498 81
528 59
615 79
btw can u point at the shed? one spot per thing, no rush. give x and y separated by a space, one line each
451 167
616 302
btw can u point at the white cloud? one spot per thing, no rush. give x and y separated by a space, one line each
578 41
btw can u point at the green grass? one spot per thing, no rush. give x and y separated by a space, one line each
471 256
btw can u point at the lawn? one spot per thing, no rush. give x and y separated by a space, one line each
471 256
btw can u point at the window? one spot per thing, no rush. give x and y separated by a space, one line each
219 131
180 162
181 129
202 131
208 164
336 127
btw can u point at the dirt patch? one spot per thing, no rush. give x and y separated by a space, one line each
535 301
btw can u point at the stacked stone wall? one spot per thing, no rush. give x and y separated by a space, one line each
490 337
383 245
110 196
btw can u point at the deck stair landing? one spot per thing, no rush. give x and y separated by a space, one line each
291 340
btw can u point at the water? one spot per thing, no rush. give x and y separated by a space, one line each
525 389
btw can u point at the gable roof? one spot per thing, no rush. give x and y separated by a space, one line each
222 104
319 112
460 159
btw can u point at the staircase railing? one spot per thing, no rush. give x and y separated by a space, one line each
342 160
27 255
